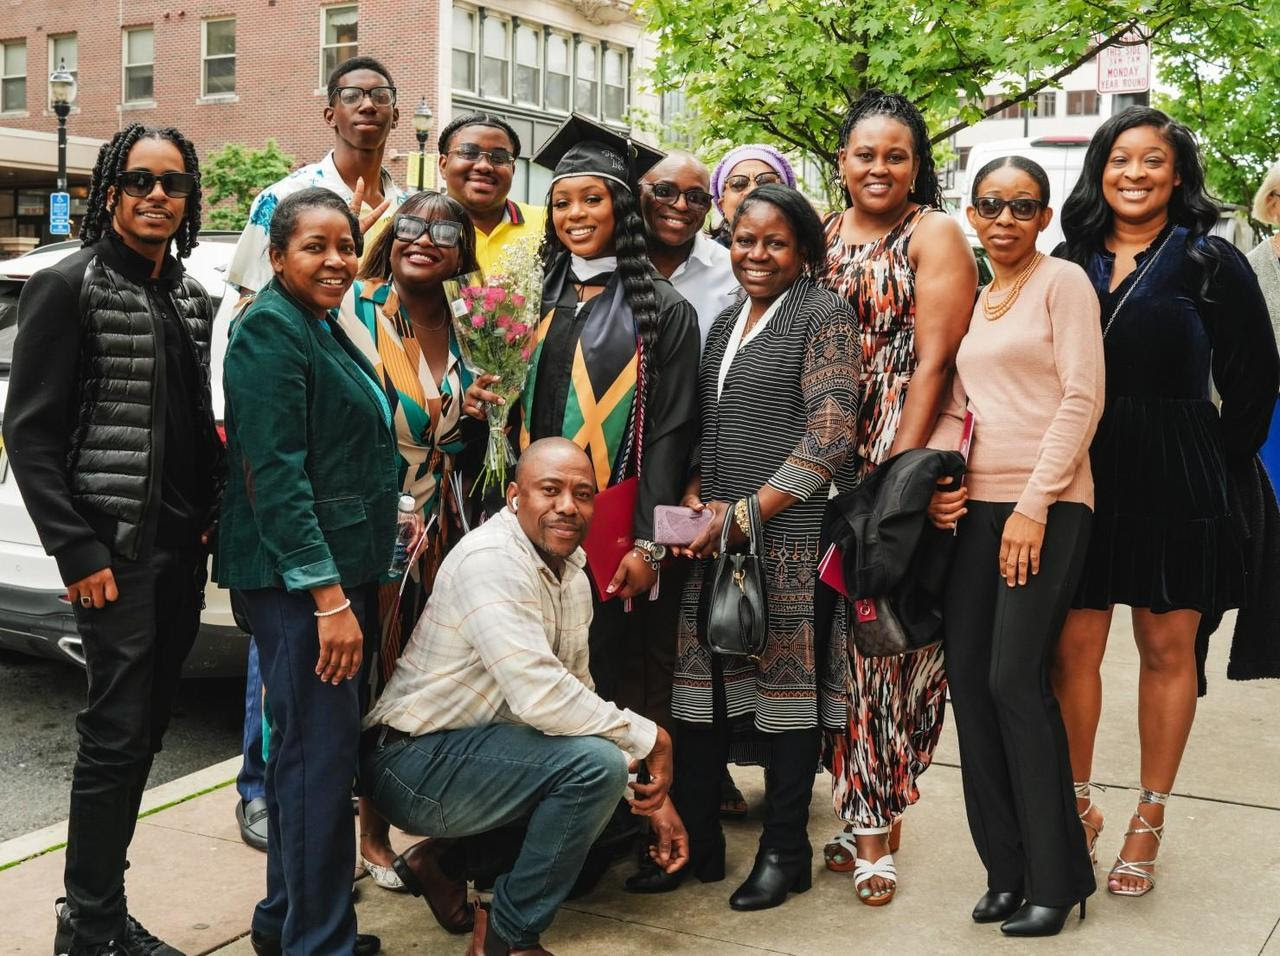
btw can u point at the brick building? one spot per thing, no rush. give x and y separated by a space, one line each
244 71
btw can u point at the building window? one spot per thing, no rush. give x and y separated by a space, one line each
1046 104
495 63
64 51
219 57
139 65
338 38
586 89
615 84
1083 103
464 49
13 76
557 72
528 64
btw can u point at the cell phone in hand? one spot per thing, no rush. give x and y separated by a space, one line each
677 526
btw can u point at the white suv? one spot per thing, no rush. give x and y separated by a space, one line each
35 617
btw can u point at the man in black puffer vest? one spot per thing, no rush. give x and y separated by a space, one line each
110 431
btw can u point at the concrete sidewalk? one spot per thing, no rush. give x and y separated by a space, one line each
194 883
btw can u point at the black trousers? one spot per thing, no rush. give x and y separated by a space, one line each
134 649
1014 763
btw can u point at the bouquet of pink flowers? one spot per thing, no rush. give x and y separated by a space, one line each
495 320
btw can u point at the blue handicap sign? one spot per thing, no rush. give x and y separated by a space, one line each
60 214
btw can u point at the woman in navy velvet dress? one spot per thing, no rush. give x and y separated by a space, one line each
1179 308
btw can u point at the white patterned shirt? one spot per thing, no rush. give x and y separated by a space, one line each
706 280
503 640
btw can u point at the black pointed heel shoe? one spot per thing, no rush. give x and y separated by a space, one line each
996 907
775 874
708 867
1034 920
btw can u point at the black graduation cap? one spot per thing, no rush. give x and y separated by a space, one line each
582 147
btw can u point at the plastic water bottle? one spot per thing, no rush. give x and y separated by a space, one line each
406 509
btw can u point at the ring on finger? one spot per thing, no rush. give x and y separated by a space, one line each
86 601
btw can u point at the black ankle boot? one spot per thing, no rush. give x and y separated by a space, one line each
775 874
1034 920
995 907
651 878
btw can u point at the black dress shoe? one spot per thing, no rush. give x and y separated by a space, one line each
651 878
1034 920
251 815
995 907
366 944
775 874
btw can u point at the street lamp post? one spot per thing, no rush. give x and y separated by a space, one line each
421 129
62 93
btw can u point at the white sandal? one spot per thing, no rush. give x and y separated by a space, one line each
383 876
884 868
1124 867
1082 793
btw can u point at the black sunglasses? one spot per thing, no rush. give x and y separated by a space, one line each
669 195
444 233
471 153
138 183
354 95
739 183
990 207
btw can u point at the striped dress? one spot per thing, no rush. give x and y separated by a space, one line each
784 417
883 714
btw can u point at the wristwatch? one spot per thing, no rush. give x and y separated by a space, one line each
652 553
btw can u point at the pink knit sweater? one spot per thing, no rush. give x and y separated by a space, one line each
1034 382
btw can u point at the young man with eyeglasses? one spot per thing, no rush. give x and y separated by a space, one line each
674 201
478 154
109 428
361 111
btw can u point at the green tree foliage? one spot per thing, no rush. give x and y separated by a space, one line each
1229 93
785 71
232 176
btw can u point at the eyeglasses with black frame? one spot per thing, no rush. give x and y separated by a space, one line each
471 153
354 95
138 183
1023 209
669 194
444 233
740 182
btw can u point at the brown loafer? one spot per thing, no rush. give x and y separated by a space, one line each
431 869
495 943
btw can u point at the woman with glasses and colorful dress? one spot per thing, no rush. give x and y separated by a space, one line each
1030 371
1180 308
910 277
743 169
397 315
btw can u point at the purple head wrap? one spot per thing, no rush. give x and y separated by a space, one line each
766 154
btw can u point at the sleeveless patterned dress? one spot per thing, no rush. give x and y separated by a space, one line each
883 719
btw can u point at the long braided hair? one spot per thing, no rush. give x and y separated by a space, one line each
113 158
636 274
926 190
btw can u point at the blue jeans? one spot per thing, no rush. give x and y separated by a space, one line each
462 782
251 782
315 743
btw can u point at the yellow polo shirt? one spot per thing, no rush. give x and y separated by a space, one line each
520 220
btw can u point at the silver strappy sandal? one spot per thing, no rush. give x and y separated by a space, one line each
1134 868
1082 793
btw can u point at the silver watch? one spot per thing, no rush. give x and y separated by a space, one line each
651 552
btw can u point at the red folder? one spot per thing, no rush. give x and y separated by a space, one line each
612 533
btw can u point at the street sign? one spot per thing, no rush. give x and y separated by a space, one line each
60 214
1125 67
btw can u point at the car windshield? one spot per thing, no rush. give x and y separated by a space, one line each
9 292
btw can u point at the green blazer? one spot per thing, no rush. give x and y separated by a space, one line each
311 457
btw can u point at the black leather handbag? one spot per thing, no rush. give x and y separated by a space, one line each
738 611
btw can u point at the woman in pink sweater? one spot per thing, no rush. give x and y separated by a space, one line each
1030 370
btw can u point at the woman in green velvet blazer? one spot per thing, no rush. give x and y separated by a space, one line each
308 528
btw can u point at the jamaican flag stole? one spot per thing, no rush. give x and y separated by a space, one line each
602 380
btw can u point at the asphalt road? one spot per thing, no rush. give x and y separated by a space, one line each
38 704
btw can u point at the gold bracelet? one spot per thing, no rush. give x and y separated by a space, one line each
741 517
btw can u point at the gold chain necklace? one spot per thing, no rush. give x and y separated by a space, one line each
999 310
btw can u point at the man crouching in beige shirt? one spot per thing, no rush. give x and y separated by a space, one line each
491 716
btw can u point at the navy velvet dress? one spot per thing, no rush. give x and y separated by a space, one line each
1167 532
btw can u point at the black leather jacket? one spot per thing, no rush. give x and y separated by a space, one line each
84 418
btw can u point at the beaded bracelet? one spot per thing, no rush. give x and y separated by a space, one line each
337 610
741 518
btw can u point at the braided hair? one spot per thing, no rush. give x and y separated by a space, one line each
926 190
113 158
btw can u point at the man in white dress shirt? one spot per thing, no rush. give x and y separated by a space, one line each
491 717
674 201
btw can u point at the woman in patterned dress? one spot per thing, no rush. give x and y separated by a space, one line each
397 315
911 278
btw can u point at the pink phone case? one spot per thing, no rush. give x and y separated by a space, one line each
674 525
